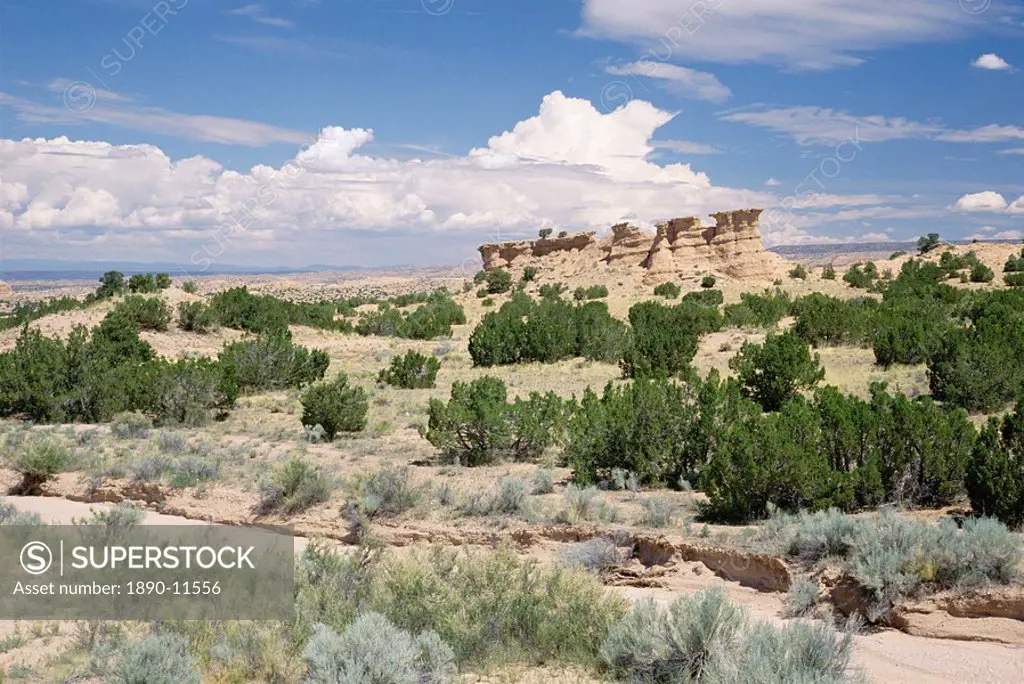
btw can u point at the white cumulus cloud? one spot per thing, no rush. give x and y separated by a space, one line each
991 61
569 166
981 201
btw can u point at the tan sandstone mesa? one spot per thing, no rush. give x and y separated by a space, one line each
681 247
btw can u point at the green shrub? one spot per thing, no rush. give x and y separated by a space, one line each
582 504
927 243
663 340
294 487
508 497
668 290
498 281
163 281
763 311
26 312
160 658
111 283
552 330
658 512
599 337
824 320
148 313
479 426
335 406
767 460
196 317
980 368
796 652
828 273
837 451
37 461
995 474
142 283
802 597
264 314
592 292
640 427
272 362
389 491
479 276
1014 263
980 273
542 615
895 557
189 287
544 233
529 274
373 651
708 282
711 299
593 555
130 425
553 291
9 515
773 372
798 272
543 482
861 276
680 644
433 319
1014 279
411 371
185 391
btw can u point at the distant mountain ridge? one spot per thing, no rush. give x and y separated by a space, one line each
854 247
37 269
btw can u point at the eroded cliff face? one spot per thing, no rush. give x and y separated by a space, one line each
682 247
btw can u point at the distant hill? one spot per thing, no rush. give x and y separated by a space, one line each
41 269
804 251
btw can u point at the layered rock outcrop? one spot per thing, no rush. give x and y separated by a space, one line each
681 247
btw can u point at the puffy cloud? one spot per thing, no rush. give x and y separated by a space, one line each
991 61
569 166
981 201
773 182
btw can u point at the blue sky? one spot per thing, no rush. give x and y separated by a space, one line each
382 132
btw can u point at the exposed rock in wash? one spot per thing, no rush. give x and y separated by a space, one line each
681 248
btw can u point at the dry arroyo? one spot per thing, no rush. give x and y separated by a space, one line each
884 655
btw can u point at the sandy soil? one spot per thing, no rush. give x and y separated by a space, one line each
263 431
883 656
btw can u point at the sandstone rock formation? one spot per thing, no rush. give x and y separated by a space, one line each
680 248
5 290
